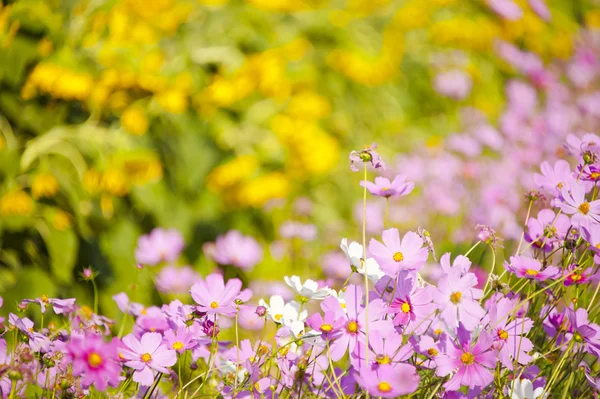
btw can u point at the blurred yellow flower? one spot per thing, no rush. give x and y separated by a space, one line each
45 47
107 206
592 19
61 221
114 181
174 101
2 143
257 192
44 185
16 203
309 105
134 120
141 169
231 173
91 181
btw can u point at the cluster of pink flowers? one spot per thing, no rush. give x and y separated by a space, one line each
525 330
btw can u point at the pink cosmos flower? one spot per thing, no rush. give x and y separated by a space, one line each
303 231
554 179
237 250
94 360
389 381
214 296
526 267
574 275
547 229
541 9
384 188
147 355
461 263
585 334
471 361
159 246
368 155
383 349
395 255
176 280
180 340
509 332
506 9
60 306
454 84
574 203
456 297
431 349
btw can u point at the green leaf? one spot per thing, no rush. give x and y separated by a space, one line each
62 249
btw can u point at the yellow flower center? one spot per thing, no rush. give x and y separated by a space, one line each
214 304
437 331
385 189
576 277
383 359
398 257
531 272
559 186
432 352
467 358
455 297
326 328
94 359
256 386
146 357
577 337
44 298
352 327
503 334
384 386
177 345
278 316
584 208
595 175
405 307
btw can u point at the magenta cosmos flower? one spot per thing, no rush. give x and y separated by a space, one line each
214 296
159 246
395 255
384 188
574 203
456 297
554 179
146 356
237 250
547 229
526 267
471 361
94 360
389 381
585 334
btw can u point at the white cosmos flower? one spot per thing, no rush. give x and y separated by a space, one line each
354 252
523 389
288 314
310 289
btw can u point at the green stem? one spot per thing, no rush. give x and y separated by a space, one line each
364 239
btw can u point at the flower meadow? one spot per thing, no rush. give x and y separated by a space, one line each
382 329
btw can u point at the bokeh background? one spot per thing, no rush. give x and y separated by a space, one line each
118 116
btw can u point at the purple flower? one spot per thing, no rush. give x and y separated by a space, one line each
303 231
547 228
237 250
94 360
126 306
541 9
146 355
213 296
586 335
383 349
328 325
395 255
574 203
60 306
574 275
367 155
506 9
389 381
384 188
456 297
180 340
159 246
526 267
176 280
471 361
509 333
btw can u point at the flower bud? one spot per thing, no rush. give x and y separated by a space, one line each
261 311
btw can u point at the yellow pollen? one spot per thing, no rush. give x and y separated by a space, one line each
467 358
257 386
595 175
405 307
577 337
531 272
432 352
263 349
44 298
352 327
584 208
438 331
121 357
144 312
94 359
385 189
455 297
343 305
502 334
146 357
278 316
559 186
383 359
177 345
214 305
326 328
398 257
576 277
384 386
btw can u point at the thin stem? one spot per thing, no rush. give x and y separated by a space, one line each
387 210
364 240
523 232
95 295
